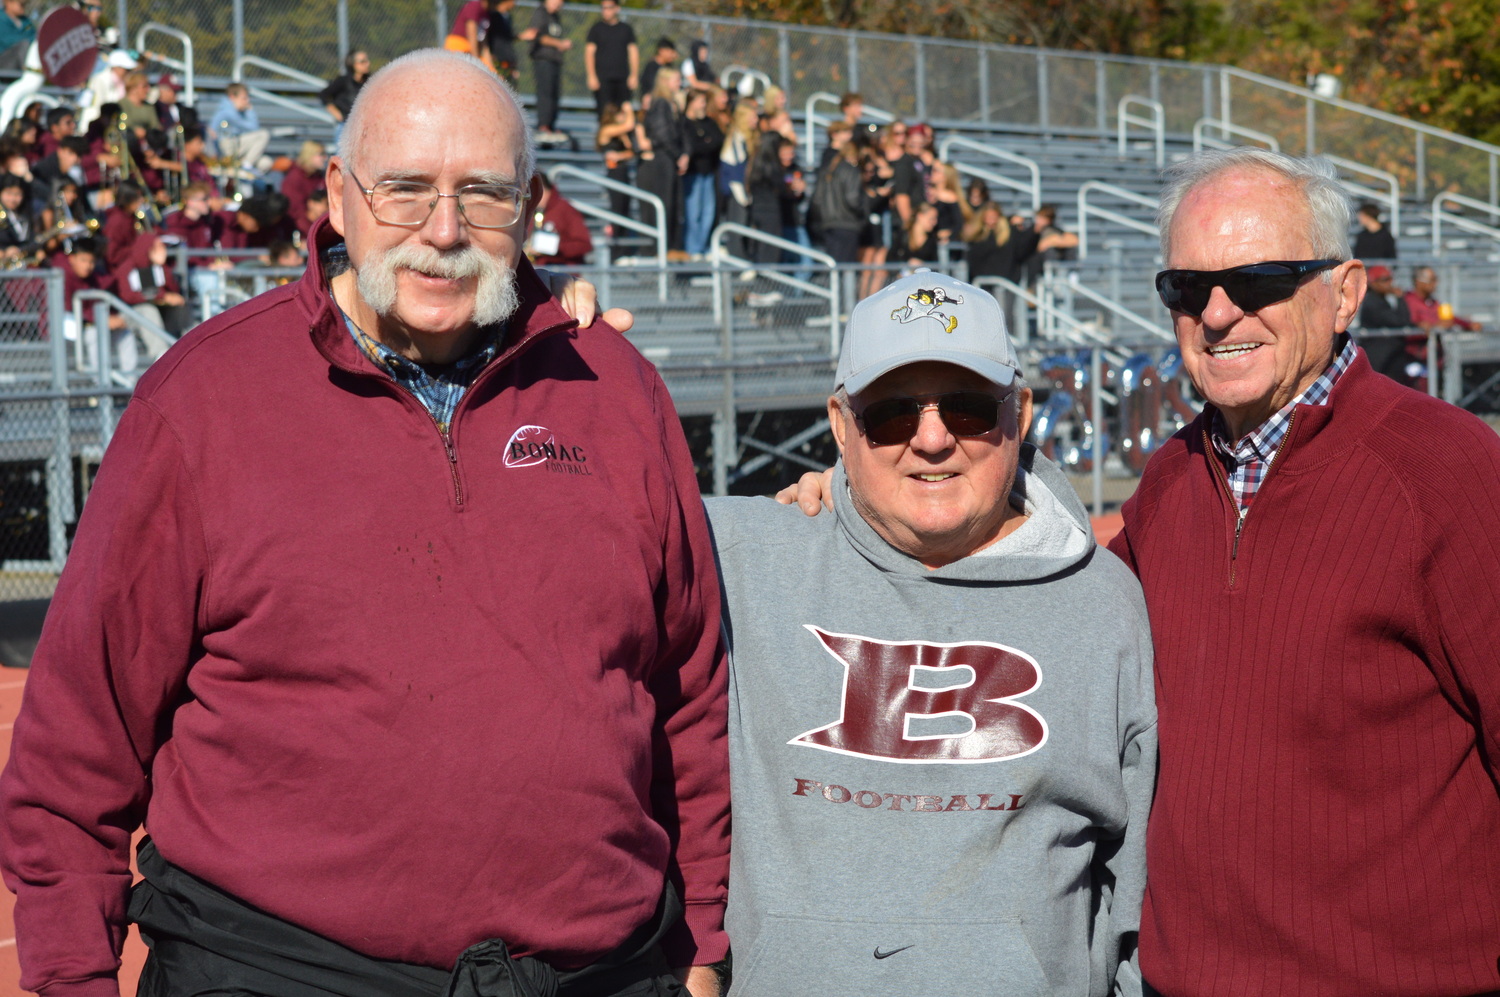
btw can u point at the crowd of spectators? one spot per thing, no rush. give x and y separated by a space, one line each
107 191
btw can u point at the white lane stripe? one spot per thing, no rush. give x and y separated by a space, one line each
6 726
7 942
12 685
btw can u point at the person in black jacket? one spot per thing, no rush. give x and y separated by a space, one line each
1385 308
700 184
338 96
664 154
991 247
1374 241
843 205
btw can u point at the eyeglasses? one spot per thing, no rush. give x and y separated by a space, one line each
967 414
1251 287
410 203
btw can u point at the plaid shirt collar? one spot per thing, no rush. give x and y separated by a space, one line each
1248 460
440 391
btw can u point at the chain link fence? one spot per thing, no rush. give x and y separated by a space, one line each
52 432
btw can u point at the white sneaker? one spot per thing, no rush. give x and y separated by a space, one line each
764 300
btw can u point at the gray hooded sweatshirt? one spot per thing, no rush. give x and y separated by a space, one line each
940 779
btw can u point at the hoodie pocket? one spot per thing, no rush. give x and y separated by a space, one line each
795 954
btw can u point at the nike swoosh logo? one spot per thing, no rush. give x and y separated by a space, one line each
886 955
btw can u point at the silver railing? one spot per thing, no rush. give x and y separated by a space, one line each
813 120
1441 217
1157 123
1087 210
725 261
1391 196
657 232
183 65
261 93
1034 189
1225 128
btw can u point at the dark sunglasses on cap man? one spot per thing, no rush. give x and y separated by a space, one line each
1251 287
967 414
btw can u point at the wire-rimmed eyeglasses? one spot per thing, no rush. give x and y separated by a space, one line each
410 203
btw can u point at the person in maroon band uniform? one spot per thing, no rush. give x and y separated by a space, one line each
302 178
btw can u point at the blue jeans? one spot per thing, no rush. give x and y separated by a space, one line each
797 234
698 200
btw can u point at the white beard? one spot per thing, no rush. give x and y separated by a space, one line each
495 296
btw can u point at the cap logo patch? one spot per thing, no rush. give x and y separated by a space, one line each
927 302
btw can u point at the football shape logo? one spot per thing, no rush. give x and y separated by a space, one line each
529 446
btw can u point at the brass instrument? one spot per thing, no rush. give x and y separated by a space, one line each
118 142
31 252
173 180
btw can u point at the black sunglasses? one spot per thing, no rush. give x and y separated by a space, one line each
893 421
1251 287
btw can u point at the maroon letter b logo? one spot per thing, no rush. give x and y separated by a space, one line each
919 702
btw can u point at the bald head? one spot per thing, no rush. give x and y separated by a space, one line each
407 85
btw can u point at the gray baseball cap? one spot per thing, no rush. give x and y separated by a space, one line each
927 316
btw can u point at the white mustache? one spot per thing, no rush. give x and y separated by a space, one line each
495 295
455 264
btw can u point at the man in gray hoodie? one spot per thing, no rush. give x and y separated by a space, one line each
942 724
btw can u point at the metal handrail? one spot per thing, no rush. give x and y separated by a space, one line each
657 232
185 66
1085 209
125 311
1048 312
1157 123
1118 309
1361 109
1227 128
1439 215
276 67
812 119
721 256
998 179
958 141
316 113
1391 198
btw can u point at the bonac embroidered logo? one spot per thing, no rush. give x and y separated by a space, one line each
921 702
534 446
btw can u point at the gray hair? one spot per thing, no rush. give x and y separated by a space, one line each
431 60
1327 199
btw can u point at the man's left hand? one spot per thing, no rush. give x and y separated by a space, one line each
580 300
701 981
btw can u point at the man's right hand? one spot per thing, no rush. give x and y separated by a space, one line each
812 492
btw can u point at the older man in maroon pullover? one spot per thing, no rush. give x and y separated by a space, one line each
393 616
1318 551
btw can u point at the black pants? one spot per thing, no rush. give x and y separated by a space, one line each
610 92
620 203
207 943
659 176
842 244
548 75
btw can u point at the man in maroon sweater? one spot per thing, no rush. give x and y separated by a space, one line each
1318 552
393 615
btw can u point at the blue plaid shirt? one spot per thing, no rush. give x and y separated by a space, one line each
1248 461
438 392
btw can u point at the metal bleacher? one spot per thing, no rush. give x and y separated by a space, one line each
751 381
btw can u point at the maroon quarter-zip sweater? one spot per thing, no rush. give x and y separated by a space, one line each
1327 818
403 691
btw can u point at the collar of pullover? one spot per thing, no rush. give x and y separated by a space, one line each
1027 563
